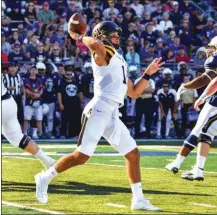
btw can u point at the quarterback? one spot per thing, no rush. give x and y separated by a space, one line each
101 115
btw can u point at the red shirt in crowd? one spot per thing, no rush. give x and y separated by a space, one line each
4 57
184 58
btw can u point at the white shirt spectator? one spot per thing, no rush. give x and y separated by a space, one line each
107 11
139 8
166 24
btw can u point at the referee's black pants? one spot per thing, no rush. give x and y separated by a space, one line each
144 106
20 110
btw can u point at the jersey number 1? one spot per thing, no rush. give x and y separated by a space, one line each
124 81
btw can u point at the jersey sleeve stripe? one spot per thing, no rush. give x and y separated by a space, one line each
110 48
110 52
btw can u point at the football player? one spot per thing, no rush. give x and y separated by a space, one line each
206 127
101 115
12 131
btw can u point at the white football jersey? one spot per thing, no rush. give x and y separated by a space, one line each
111 81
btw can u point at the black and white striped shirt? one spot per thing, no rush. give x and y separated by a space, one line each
13 81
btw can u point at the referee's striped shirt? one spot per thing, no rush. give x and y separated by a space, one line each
13 81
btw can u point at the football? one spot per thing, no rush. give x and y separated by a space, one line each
77 24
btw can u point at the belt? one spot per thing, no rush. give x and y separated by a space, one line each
113 103
6 96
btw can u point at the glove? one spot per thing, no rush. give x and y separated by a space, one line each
180 91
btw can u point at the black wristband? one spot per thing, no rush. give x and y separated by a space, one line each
80 38
146 76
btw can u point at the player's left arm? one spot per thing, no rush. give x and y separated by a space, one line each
134 91
201 81
210 90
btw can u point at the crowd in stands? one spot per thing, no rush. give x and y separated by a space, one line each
50 75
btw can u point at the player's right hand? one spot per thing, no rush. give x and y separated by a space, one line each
180 91
72 34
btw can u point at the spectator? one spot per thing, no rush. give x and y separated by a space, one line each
166 24
176 15
185 34
158 13
139 28
149 55
169 56
151 6
148 34
128 9
6 28
166 98
4 57
182 56
16 55
49 96
183 70
166 78
131 32
207 30
69 100
14 84
133 73
60 34
144 106
6 47
70 10
27 40
159 48
90 10
96 15
58 7
30 15
176 45
139 8
87 80
46 16
50 33
15 13
15 39
31 48
199 22
185 7
40 55
200 57
169 40
62 21
146 18
33 106
56 55
22 32
47 44
156 27
61 71
187 100
132 57
120 22
111 8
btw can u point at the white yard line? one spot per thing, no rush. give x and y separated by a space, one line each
31 208
203 205
98 164
115 205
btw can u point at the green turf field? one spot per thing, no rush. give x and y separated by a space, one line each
101 186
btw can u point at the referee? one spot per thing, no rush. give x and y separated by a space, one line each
14 84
